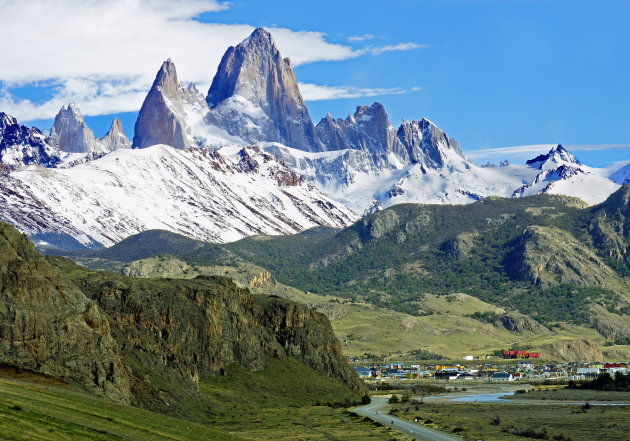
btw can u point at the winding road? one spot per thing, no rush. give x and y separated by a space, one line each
373 411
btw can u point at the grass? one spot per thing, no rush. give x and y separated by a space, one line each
39 411
278 403
501 422
574 395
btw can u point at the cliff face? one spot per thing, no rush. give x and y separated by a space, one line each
47 325
254 95
580 350
163 117
177 332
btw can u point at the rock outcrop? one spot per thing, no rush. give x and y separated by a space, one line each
72 134
115 138
147 342
549 256
187 330
516 322
20 145
254 95
47 325
578 350
610 225
426 144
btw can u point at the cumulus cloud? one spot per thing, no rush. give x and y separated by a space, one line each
103 54
315 92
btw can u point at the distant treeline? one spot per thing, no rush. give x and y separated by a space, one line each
619 382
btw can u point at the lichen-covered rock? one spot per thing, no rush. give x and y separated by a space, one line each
47 325
177 332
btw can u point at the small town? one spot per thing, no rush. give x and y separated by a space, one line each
510 370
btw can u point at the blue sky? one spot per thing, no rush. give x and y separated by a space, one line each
494 73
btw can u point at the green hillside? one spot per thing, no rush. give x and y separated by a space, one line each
535 255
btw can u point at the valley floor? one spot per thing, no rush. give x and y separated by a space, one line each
36 408
517 420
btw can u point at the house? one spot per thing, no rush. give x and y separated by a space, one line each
447 374
502 376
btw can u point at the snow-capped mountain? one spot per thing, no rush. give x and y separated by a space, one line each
175 115
20 146
194 171
357 160
254 95
561 173
216 196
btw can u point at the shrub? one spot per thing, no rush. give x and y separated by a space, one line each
394 399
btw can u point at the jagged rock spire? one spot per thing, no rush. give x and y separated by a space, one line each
115 138
70 131
255 89
157 121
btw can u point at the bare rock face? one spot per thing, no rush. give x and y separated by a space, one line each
71 133
115 138
425 143
183 331
162 117
47 325
368 129
254 95
579 350
516 322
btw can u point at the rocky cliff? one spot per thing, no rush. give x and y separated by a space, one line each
254 95
71 133
183 331
164 116
47 325
115 138
579 350
610 225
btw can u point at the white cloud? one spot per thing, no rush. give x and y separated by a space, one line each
416 88
103 54
517 151
363 37
315 92
393 47
527 151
